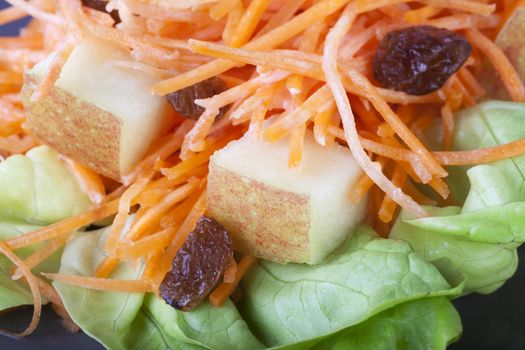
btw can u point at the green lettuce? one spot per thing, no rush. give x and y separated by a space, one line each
38 188
484 266
368 284
431 323
17 293
35 189
286 304
140 321
479 239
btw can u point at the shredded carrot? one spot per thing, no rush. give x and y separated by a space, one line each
256 123
222 8
471 82
67 225
163 152
388 206
501 63
361 188
417 195
286 11
305 64
333 76
42 254
51 294
104 284
147 245
248 22
154 214
296 146
177 214
272 39
31 9
197 159
124 209
221 293
106 267
321 122
299 116
5 249
89 181
150 198
440 187
234 17
421 14
230 272
448 126
471 6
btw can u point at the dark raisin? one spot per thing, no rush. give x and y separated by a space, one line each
418 60
100 5
183 101
198 265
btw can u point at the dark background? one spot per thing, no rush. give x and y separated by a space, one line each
490 322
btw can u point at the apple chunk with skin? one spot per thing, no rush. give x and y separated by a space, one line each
97 113
282 214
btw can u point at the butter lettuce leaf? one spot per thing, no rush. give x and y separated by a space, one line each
138 320
484 266
38 188
479 239
286 304
17 293
431 323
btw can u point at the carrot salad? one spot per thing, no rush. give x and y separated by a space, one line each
290 66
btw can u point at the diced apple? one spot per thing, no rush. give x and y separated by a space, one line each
283 214
97 113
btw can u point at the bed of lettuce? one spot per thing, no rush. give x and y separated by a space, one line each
372 293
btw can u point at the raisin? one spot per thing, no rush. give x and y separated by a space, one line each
198 265
100 5
418 60
183 101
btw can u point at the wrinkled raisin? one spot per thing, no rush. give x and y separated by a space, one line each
100 5
183 101
198 265
418 60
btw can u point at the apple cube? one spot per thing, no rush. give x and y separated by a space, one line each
283 214
97 113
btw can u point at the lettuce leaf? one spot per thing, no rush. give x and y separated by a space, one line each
38 188
285 304
35 189
17 293
140 321
478 240
431 323
484 266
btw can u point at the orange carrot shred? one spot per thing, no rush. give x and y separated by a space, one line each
501 63
104 284
221 293
106 266
231 272
5 249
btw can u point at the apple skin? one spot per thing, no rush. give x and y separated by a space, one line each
97 113
75 128
265 221
283 214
